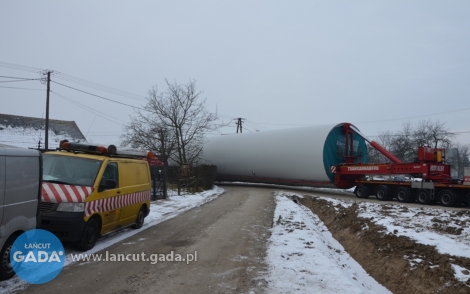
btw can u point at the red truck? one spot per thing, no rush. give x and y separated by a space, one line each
432 177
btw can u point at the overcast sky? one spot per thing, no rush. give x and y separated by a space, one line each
278 64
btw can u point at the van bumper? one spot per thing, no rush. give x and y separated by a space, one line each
67 226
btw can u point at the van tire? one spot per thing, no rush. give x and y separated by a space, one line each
6 270
90 234
139 222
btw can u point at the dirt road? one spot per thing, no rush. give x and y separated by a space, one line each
229 235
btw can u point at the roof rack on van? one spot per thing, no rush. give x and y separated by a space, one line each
111 150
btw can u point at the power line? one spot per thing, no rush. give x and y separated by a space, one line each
249 130
22 80
99 87
20 67
397 135
99 96
75 80
94 111
22 88
105 133
8 77
109 135
415 116
298 125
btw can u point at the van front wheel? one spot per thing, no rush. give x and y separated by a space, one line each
89 236
139 222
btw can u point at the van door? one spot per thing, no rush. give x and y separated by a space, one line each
110 198
2 195
135 187
22 182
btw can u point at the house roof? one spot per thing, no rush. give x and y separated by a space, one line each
29 132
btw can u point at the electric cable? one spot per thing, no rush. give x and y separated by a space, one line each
20 67
99 96
99 87
94 111
22 88
22 80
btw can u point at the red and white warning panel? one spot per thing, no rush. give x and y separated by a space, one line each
109 204
58 193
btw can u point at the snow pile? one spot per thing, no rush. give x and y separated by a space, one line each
420 224
303 256
447 231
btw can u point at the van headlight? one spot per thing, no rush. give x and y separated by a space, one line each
71 207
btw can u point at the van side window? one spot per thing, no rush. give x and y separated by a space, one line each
111 173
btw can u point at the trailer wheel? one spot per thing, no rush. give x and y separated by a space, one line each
382 193
403 194
467 200
362 192
446 197
423 196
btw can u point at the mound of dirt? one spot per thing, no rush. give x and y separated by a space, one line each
388 258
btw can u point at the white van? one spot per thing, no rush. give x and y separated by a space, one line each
20 195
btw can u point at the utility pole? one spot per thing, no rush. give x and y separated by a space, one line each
46 143
239 124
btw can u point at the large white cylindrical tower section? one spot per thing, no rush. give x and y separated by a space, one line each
297 156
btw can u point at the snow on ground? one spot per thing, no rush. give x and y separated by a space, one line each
303 256
160 210
416 223
419 224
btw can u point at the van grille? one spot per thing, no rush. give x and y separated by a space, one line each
47 207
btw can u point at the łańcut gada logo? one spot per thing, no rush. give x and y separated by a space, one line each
37 256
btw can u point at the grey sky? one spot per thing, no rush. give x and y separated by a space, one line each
376 64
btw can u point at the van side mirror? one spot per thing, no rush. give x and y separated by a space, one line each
108 184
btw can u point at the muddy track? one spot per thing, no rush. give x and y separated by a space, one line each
384 256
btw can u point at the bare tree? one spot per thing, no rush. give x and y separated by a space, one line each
145 132
385 140
458 156
178 120
433 134
405 142
402 145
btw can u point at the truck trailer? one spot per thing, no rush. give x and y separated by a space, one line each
335 156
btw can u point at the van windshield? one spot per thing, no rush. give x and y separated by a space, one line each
70 170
